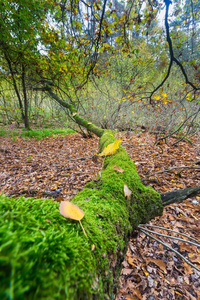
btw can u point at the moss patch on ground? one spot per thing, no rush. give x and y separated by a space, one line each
45 256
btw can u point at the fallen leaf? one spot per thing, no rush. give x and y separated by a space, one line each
118 169
194 258
71 211
127 271
131 262
127 191
188 269
111 149
59 199
157 262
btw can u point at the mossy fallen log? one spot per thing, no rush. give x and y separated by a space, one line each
45 256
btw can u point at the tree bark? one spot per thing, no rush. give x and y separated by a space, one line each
179 195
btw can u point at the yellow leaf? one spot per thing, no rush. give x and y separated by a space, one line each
111 149
165 95
178 293
127 192
71 211
157 97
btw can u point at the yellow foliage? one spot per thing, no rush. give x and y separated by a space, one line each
165 95
111 149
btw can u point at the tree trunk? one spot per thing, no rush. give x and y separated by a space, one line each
26 105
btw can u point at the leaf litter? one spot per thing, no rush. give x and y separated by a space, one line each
59 167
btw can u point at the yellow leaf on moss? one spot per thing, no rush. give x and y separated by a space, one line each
71 211
111 149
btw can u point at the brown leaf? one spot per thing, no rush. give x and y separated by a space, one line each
131 261
127 271
188 268
157 262
118 169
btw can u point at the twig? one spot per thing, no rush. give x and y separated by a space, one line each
169 236
81 158
174 168
131 145
167 229
167 246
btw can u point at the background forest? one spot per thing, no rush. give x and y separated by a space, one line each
106 58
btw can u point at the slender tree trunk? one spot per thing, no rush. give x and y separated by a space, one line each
26 106
23 110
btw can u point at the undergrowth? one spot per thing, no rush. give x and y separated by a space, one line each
37 134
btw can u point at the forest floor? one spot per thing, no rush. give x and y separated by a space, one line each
58 167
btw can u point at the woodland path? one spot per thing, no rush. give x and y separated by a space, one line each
59 167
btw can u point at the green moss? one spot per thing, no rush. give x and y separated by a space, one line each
42 255
45 256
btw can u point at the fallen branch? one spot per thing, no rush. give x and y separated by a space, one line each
169 236
167 229
178 196
82 158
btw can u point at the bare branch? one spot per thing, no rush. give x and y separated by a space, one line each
172 57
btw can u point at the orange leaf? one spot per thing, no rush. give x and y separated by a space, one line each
71 211
157 262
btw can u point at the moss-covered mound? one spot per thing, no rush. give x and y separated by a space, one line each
45 256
